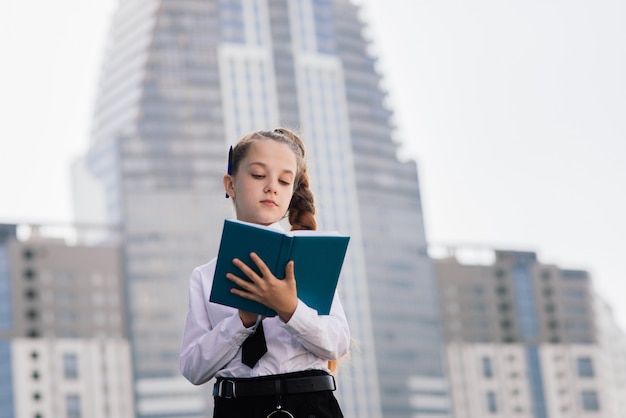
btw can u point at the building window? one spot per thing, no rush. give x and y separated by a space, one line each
72 406
30 294
492 406
487 368
479 307
477 290
32 314
590 400
574 293
70 366
28 253
585 367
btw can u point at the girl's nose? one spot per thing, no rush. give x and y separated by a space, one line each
271 186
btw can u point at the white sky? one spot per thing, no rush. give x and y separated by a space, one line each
515 112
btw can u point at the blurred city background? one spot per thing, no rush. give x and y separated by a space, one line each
478 147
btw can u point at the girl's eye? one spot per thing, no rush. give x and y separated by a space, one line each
257 176
284 182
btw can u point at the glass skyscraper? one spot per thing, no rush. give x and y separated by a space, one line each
182 80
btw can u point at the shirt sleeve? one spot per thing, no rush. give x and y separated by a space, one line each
327 336
208 347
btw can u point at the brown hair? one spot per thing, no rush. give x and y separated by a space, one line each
301 210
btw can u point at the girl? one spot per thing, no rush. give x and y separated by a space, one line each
267 180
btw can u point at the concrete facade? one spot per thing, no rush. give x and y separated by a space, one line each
527 339
63 345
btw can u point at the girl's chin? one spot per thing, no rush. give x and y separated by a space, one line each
267 223
262 221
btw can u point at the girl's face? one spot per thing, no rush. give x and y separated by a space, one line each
263 186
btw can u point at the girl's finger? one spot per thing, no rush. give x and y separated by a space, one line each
290 270
251 274
265 271
244 284
244 294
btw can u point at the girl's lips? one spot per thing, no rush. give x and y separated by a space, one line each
268 202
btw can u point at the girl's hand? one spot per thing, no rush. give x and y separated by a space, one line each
276 294
247 318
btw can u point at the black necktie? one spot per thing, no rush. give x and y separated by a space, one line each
254 347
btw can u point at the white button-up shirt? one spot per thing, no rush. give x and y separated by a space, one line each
214 333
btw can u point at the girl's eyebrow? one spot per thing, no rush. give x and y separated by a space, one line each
263 165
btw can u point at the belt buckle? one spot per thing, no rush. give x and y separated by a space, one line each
227 389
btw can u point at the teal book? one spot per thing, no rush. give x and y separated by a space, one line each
318 258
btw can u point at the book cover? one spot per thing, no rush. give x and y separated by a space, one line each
318 257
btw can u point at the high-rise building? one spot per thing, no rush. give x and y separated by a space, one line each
7 232
63 345
612 341
523 340
183 80
515 299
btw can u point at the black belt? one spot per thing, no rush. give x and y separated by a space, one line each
235 388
